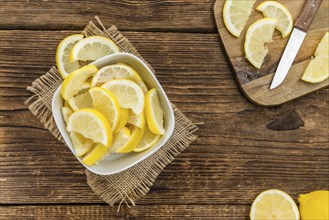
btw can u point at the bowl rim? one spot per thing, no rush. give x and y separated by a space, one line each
100 63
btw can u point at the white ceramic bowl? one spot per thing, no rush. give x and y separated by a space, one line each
115 163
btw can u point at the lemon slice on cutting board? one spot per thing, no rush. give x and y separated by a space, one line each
64 66
274 204
236 14
153 112
318 68
75 81
128 93
115 71
97 152
120 139
80 144
106 103
258 34
91 124
93 48
273 9
149 140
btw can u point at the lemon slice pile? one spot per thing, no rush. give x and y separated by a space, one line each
110 110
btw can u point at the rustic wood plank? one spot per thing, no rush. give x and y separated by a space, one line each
139 212
234 158
177 15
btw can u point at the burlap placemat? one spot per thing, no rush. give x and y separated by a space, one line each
131 184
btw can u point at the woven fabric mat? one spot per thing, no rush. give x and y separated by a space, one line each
127 186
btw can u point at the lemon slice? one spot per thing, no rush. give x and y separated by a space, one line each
106 103
98 152
64 66
149 140
91 124
134 139
66 113
120 139
236 14
153 112
318 68
115 71
75 81
257 35
81 100
143 86
80 144
128 93
123 119
274 204
136 120
314 205
93 48
273 9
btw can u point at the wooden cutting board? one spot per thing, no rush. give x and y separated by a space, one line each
255 83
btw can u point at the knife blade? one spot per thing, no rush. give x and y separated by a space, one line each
296 39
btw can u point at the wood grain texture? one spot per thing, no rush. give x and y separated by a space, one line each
235 157
151 15
255 83
140 212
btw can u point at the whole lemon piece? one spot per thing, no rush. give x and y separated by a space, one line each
314 205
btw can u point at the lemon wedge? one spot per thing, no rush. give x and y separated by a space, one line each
149 140
98 152
93 48
81 100
123 119
80 144
91 124
273 9
128 93
64 66
257 35
136 120
314 205
153 112
106 103
120 139
75 81
134 139
274 204
66 113
318 68
236 14
115 71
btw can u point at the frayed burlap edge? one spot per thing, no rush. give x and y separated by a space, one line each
127 186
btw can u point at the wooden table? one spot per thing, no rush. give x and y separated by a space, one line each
242 149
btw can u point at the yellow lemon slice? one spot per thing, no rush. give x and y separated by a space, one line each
120 139
257 35
128 93
149 140
314 205
66 113
236 14
273 9
106 103
123 119
80 144
153 112
274 204
115 71
75 81
134 139
318 68
98 152
81 100
91 124
93 48
64 66
136 120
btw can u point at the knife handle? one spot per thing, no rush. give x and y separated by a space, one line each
307 15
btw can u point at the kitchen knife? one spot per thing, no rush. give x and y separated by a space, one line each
296 39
